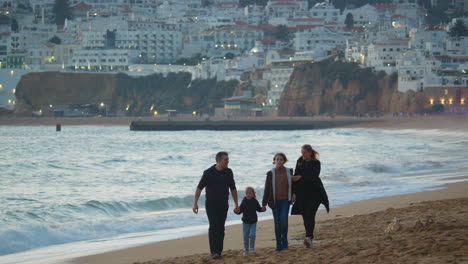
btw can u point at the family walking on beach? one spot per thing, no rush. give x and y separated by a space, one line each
302 188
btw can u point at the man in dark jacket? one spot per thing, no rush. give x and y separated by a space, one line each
218 180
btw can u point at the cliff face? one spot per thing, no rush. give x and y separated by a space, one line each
119 92
330 87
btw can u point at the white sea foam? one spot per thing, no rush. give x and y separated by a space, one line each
103 184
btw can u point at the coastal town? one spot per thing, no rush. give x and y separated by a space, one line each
424 44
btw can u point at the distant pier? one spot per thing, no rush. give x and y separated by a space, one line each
239 125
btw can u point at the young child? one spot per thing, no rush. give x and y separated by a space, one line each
249 208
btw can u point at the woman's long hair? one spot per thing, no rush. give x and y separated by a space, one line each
309 148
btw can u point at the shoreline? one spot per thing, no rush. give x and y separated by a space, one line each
442 122
196 247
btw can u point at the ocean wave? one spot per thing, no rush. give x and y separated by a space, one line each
379 168
29 235
118 208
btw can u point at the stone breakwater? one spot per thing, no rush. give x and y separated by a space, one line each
240 125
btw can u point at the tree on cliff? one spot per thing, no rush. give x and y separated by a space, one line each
459 29
349 21
62 11
56 40
14 25
206 3
282 33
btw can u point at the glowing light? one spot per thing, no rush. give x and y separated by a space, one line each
152 107
155 113
442 101
263 104
194 112
462 101
127 108
1 86
431 101
14 90
9 101
450 101
102 104
12 72
50 106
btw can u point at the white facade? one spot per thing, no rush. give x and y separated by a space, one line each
164 69
457 46
326 11
382 56
318 38
254 15
236 39
365 16
286 8
418 37
414 70
153 46
101 60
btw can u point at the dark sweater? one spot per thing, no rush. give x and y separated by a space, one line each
217 184
310 188
249 209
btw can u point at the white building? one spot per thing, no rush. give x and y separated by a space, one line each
318 38
101 60
280 72
382 56
325 11
419 37
164 69
286 8
415 70
364 16
154 46
254 15
236 39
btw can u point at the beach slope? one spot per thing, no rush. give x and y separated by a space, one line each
432 228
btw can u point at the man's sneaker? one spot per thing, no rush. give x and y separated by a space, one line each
308 242
246 253
215 256
253 250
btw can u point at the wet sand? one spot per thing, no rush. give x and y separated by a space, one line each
352 233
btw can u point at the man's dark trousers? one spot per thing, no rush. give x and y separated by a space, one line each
217 213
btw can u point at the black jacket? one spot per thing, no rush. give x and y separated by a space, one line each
309 189
249 208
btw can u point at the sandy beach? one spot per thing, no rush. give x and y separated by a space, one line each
433 226
352 233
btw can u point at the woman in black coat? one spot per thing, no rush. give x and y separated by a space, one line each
309 191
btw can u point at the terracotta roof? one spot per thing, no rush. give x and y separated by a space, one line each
384 6
269 40
83 6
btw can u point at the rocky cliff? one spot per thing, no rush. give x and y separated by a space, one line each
122 95
339 88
